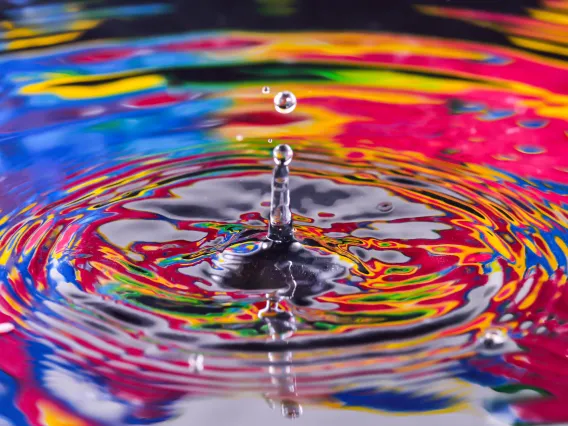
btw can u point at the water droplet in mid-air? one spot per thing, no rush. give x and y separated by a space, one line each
269 140
195 363
493 339
285 102
240 138
385 207
266 90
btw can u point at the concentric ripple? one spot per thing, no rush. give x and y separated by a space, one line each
429 199
130 255
117 276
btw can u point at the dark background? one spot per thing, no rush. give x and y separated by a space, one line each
297 15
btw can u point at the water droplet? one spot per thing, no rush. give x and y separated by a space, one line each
282 154
493 339
385 207
240 138
195 363
285 102
291 409
6 327
269 140
266 90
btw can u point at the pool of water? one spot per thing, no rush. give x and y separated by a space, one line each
429 196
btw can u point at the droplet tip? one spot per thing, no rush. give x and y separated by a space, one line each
282 154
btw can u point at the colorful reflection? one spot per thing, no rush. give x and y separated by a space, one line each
136 170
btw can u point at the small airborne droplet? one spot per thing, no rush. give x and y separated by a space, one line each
493 339
385 207
195 363
240 138
269 140
285 102
266 90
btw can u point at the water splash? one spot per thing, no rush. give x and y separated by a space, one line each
280 228
130 205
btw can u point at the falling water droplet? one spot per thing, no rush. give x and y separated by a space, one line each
493 339
385 207
240 138
285 102
266 90
6 327
269 140
291 409
195 363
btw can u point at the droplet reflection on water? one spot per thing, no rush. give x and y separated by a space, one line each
291 409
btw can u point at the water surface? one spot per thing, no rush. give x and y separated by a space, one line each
429 193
